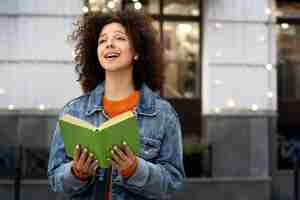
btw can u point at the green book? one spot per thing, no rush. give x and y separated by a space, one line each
100 140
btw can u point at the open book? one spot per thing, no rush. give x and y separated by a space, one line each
100 140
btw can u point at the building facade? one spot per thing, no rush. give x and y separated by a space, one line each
221 76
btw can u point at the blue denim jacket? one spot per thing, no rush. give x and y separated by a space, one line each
160 165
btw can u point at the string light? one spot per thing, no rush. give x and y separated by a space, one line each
254 107
195 12
217 110
137 5
269 67
11 107
218 26
42 107
111 4
285 26
268 11
230 103
85 9
270 95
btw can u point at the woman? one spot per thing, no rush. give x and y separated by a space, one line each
120 61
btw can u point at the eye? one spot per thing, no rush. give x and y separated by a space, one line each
122 38
101 41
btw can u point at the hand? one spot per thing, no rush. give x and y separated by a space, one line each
124 160
84 164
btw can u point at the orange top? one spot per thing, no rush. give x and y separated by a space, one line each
114 108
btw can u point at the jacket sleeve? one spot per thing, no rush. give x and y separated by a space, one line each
60 178
160 179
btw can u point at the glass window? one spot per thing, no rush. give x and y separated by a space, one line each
181 45
288 42
289 61
181 7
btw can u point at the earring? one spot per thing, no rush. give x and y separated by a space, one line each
135 57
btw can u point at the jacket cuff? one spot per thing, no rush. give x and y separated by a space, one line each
71 182
140 176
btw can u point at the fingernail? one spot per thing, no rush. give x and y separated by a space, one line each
77 146
124 143
115 148
85 150
91 154
112 152
96 161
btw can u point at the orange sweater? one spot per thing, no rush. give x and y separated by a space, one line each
114 108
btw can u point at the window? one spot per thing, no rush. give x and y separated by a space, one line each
288 42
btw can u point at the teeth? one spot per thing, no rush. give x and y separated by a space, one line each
110 55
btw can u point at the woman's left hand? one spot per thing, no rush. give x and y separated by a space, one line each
124 160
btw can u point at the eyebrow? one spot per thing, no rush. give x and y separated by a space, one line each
102 35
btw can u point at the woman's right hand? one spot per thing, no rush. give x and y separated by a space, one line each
84 164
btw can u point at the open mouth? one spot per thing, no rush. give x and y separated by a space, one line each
111 55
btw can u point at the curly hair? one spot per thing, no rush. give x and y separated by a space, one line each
147 69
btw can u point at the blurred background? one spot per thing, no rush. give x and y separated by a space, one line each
232 73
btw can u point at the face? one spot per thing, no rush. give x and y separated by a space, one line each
115 51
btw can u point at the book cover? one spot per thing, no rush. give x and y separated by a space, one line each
100 140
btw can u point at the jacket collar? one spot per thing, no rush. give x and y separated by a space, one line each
146 104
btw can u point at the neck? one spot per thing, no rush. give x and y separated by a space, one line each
118 85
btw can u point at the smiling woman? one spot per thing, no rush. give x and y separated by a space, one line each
143 39
120 68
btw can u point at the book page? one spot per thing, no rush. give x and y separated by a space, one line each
76 121
116 119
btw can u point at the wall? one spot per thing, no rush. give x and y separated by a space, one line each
239 41
35 57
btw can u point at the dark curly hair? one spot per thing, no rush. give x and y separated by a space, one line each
147 69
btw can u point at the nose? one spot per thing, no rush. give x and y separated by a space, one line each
110 43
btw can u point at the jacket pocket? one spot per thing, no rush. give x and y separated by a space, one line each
150 148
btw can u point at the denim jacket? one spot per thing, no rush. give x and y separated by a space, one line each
160 165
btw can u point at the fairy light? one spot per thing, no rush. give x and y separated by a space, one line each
11 107
218 26
85 9
230 103
270 95
42 107
268 11
137 5
254 107
285 26
195 12
217 110
269 67
111 4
